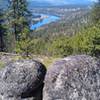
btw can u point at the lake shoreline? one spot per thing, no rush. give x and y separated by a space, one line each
43 20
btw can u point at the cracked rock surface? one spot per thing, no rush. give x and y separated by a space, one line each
22 79
73 78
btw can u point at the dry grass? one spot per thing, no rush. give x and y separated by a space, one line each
2 64
49 60
8 57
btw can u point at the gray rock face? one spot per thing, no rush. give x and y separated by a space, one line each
22 79
73 78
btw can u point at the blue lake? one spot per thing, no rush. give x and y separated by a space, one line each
45 21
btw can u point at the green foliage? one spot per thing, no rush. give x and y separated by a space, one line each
96 44
17 17
2 30
38 46
83 43
96 13
24 44
86 41
63 39
60 46
2 65
17 25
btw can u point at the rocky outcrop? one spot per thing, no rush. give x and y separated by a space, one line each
73 78
20 80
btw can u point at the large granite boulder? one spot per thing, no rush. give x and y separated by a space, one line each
73 78
22 79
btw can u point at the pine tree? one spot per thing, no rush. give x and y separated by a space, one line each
18 17
17 22
96 45
2 30
96 23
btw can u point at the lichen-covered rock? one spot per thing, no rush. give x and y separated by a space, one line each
73 78
22 79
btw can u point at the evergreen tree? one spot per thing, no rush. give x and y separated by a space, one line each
2 30
96 37
17 22
18 17
96 45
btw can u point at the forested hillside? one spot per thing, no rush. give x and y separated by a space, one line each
71 21
78 33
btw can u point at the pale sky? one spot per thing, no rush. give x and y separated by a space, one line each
64 1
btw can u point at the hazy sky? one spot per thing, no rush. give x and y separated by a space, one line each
64 1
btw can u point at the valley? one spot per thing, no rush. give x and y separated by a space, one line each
49 50
70 19
42 20
50 30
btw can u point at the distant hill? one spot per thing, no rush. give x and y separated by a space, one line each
33 4
38 3
47 3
